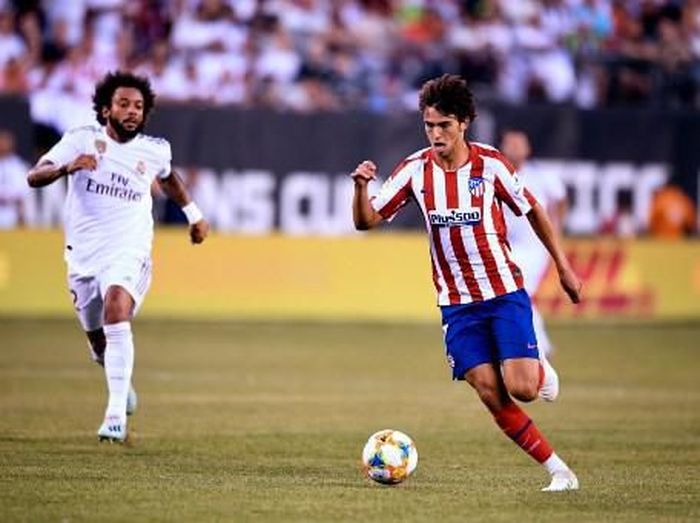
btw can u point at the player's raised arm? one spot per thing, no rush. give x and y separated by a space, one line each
46 172
363 214
545 232
174 189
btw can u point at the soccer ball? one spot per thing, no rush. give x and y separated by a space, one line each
389 457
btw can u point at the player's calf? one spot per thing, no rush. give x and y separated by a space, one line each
488 384
523 391
97 344
119 364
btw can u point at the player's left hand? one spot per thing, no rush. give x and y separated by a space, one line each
571 284
199 231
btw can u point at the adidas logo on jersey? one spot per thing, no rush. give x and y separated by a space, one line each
455 217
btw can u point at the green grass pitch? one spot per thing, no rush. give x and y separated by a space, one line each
266 422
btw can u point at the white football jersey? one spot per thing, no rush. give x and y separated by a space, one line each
108 211
13 187
548 189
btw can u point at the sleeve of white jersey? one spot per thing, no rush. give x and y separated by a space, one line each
511 190
395 191
166 161
556 187
17 185
66 150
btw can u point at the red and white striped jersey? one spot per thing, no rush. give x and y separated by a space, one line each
463 214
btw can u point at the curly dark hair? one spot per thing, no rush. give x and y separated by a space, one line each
104 91
449 94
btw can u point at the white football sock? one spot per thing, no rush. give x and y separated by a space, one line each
119 364
555 464
544 344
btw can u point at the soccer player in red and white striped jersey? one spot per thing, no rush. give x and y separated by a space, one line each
461 188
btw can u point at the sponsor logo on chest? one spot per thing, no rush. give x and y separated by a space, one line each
455 217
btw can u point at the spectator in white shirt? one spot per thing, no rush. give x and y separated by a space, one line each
13 183
11 45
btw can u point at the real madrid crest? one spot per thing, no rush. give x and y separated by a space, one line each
100 146
141 167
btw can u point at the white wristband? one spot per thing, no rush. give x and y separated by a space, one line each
192 213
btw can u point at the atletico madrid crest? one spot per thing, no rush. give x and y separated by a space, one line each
476 186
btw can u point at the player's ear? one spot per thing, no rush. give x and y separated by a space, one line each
105 112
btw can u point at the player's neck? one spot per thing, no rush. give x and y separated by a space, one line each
458 157
114 135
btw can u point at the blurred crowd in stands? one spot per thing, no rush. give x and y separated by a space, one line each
335 55
308 55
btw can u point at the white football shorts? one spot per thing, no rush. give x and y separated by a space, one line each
88 292
534 262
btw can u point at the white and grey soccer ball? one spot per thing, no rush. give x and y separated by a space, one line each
389 457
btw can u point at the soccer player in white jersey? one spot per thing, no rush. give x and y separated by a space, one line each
549 191
109 227
461 187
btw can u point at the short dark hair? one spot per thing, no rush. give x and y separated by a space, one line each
514 130
449 94
104 92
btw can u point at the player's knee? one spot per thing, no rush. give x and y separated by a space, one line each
118 306
115 313
523 390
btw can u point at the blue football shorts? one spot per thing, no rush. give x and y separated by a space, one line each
488 332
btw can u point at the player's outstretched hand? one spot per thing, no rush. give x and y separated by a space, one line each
199 231
84 161
571 284
365 172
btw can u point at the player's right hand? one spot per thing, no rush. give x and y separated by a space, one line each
364 172
199 231
84 161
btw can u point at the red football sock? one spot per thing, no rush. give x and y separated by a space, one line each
520 428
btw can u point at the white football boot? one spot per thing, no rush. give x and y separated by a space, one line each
562 480
550 385
132 400
113 430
